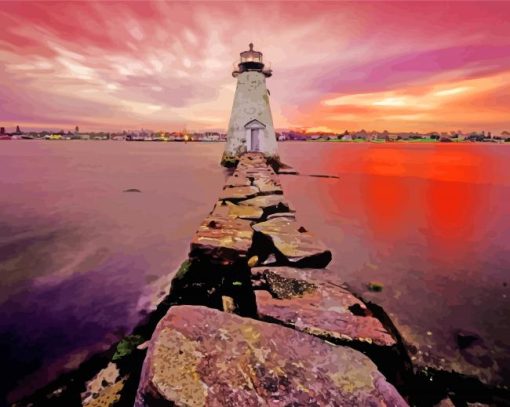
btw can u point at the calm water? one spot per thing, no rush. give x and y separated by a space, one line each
429 221
80 258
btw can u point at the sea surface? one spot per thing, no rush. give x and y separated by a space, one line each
81 260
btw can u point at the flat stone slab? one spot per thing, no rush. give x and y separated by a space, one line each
254 168
245 211
239 192
246 164
237 180
229 209
290 215
252 156
222 240
298 246
203 357
312 303
268 185
257 172
268 202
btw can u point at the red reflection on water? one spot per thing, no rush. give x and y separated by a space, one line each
385 192
452 208
403 189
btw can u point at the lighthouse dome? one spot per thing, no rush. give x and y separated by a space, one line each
251 60
251 55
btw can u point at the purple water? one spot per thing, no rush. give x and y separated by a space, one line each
80 258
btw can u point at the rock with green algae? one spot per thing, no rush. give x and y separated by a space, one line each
375 286
126 346
199 356
229 161
183 270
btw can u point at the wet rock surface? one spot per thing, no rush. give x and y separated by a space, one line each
238 193
268 185
222 240
290 215
445 403
104 389
294 243
276 203
203 357
228 209
237 180
465 356
309 302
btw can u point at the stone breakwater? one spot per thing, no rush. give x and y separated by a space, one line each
254 317
265 323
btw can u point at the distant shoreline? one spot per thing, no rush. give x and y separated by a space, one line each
355 141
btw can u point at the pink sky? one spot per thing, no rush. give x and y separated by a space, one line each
167 66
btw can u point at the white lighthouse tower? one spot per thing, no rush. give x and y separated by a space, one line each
251 124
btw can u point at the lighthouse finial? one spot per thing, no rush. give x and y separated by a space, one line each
251 46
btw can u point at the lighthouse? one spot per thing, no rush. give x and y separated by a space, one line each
251 123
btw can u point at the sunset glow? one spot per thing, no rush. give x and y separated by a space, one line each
381 66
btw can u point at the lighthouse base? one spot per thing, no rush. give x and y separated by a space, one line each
231 160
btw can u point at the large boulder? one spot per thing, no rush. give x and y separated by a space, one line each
308 300
222 240
203 357
294 243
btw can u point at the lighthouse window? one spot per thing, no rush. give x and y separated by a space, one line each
251 58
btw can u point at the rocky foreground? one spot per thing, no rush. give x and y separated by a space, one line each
204 357
255 318
251 257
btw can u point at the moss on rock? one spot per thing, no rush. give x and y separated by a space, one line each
126 346
183 269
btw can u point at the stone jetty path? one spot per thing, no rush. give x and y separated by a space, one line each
260 320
